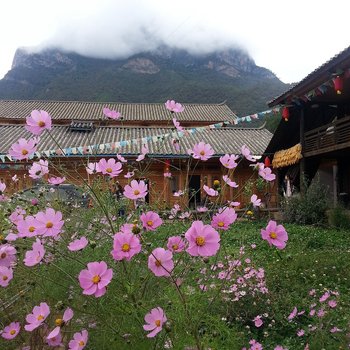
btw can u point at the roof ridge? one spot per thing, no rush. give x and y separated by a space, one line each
114 102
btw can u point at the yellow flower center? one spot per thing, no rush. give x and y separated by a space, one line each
12 331
216 182
40 317
226 164
4 278
125 247
96 279
157 322
24 152
41 124
175 246
59 322
3 256
31 229
150 223
221 224
49 224
136 192
202 153
158 263
249 212
81 343
1 237
200 241
273 235
109 170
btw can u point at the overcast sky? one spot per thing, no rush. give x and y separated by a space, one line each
291 38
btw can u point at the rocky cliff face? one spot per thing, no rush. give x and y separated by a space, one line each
230 75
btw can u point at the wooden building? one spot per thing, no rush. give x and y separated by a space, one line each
316 137
78 125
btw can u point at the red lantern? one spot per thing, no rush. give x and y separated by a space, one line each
285 114
167 165
338 84
267 162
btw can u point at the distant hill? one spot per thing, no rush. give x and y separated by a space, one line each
230 75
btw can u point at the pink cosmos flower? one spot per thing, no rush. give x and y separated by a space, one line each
167 174
111 114
321 313
177 125
7 255
121 158
202 209
79 340
95 278
229 182
17 215
300 332
202 151
332 304
23 149
2 187
6 275
28 227
279 347
37 317
93 168
255 345
56 180
203 240
210 191
229 161
174 107
110 167
176 244
293 314
246 153
266 174
49 222
178 193
150 220
224 218
335 330
258 322
39 169
135 190
125 246
160 262
55 341
34 201
144 151
255 200
67 316
275 235
38 121
78 244
324 297
154 321
127 228
129 174
234 204
34 256
11 331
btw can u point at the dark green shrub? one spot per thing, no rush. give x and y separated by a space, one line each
339 218
310 208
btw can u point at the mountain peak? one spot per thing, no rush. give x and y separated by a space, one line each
154 76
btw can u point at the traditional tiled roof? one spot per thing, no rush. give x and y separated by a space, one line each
150 112
223 140
316 77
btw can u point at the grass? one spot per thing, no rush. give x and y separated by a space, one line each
315 258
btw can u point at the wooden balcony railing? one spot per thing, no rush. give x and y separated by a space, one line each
328 138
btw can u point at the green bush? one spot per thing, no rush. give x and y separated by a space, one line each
310 208
339 218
